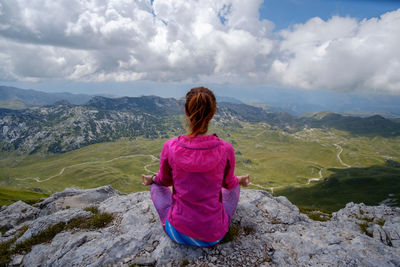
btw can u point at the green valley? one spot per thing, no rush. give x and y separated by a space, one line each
315 168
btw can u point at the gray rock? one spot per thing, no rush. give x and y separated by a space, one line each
272 233
17 260
380 234
144 261
75 198
17 213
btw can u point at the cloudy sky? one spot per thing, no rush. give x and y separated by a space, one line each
161 46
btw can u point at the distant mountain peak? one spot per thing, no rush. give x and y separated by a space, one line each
323 114
376 117
62 103
152 104
32 97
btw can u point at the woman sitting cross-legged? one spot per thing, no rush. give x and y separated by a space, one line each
200 169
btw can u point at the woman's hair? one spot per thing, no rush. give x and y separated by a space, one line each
200 107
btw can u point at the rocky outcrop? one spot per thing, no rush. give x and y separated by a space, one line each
266 231
75 198
16 214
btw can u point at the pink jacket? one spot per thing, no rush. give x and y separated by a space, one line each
198 168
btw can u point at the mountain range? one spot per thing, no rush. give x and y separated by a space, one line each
33 97
63 126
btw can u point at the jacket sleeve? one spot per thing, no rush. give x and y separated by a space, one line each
164 175
230 180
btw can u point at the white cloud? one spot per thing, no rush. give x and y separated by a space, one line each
129 40
193 40
341 54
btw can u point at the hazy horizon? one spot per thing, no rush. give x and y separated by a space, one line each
289 100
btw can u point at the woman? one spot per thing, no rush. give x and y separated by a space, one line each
200 169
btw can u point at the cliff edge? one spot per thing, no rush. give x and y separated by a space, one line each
266 231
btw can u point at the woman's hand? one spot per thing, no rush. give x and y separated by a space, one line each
244 180
147 179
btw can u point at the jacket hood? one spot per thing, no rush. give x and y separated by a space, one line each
198 154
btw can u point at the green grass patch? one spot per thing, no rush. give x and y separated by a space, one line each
184 262
3 230
5 247
368 185
42 237
247 230
11 195
235 231
368 219
5 253
364 227
315 214
232 234
92 209
97 220
380 222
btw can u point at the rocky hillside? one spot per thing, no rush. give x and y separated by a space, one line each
266 231
373 125
62 127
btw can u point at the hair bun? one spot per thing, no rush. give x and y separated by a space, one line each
200 107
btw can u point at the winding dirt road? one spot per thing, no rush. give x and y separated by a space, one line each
274 187
310 179
315 178
153 159
338 156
